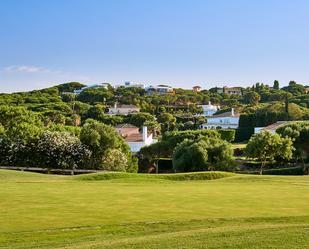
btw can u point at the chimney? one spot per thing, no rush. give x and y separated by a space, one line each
145 133
233 113
115 105
209 102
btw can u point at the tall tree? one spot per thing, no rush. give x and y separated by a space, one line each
276 85
251 98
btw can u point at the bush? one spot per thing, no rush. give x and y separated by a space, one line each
281 171
170 140
268 147
61 150
202 154
227 134
115 160
285 171
243 134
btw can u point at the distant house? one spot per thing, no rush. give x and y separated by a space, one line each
307 89
226 120
123 109
130 84
233 90
159 89
196 89
209 110
273 127
134 138
93 86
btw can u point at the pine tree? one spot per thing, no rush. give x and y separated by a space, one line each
276 85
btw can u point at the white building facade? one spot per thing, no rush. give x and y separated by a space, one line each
227 120
159 89
209 110
135 139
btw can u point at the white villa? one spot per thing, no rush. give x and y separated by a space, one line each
135 139
130 84
226 120
123 109
159 89
209 110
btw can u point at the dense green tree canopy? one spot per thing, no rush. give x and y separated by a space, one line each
202 154
266 146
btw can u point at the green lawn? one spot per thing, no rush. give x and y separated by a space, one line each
150 211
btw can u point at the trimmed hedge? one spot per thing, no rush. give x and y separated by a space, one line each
243 134
282 171
227 134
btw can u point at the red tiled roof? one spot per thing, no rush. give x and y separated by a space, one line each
134 137
126 126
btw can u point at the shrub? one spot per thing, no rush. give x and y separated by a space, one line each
227 134
61 150
170 140
243 134
203 154
266 146
114 160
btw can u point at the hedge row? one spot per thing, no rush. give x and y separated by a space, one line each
282 171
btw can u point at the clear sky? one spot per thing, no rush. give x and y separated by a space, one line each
177 42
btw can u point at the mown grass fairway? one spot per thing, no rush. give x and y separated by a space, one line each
143 211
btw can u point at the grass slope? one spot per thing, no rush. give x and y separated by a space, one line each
118 210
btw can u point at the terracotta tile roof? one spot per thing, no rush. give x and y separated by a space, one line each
126 126
137 137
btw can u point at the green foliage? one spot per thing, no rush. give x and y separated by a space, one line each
102 139
140 118
12 115
189 125
167 121
292 171
165 147
227 134
266 146
115 160
243 133
276 85
153 126
261 118
69 87
19 123
73 130
251 98
99 95
299 133
97 112
294 88
61 150
202 154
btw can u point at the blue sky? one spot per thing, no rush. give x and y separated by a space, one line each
178 42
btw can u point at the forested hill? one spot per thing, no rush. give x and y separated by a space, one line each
59 105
